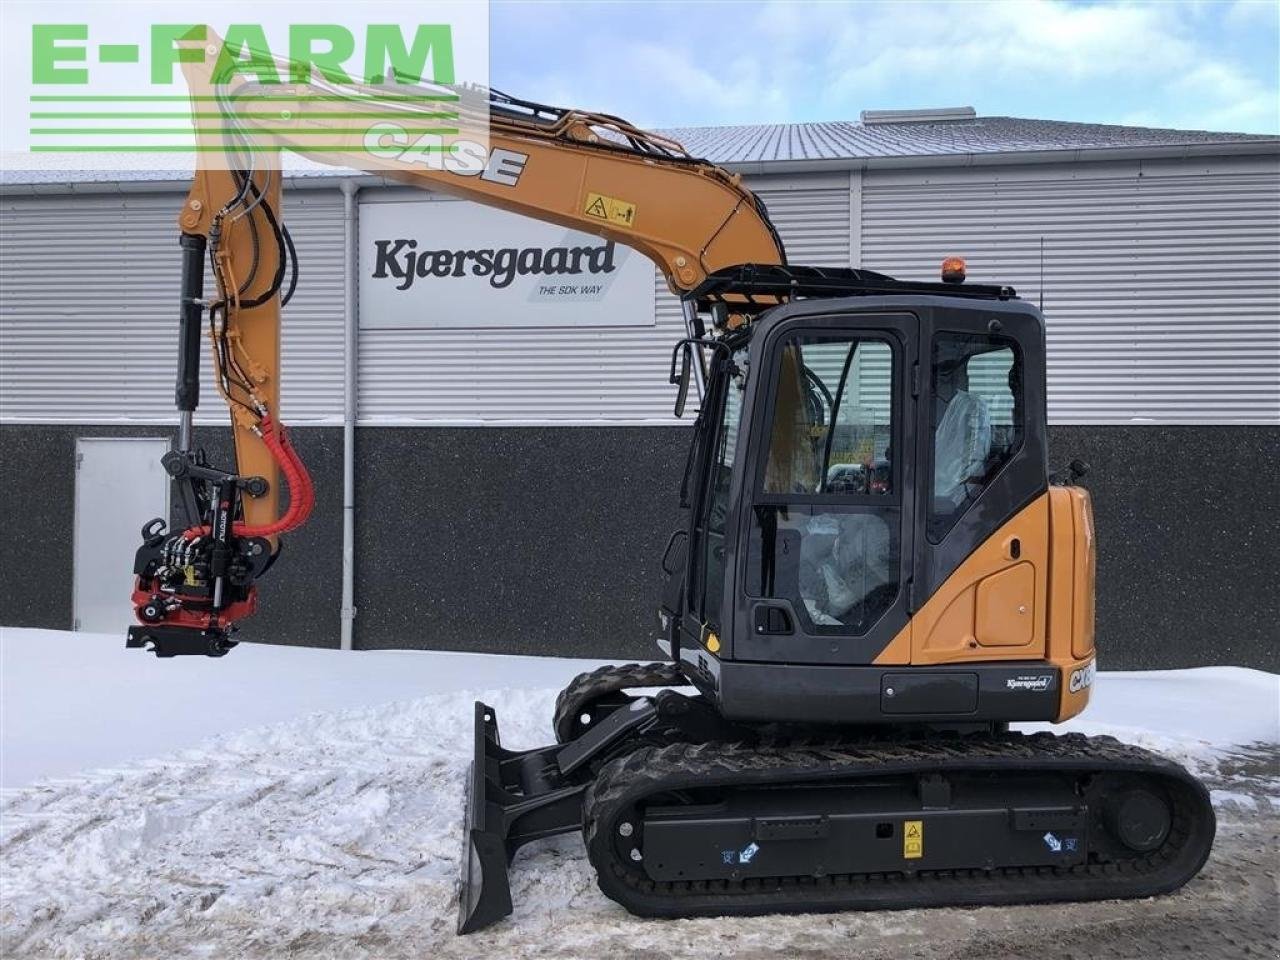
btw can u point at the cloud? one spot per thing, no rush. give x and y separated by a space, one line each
1254 14
1035 41
1225 98
1199 65
650 62
1055 44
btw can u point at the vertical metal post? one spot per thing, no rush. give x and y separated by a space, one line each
350 400
855 218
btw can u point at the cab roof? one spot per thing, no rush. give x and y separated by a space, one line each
752 287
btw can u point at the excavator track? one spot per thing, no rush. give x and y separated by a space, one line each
703 804
599 691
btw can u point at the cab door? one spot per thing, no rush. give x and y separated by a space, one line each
825 531
983 443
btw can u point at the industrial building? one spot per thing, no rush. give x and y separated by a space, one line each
517 463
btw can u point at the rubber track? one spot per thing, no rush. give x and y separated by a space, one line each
625 782
586 688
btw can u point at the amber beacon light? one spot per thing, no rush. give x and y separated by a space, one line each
953 270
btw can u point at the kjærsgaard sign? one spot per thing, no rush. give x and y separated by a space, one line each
451 264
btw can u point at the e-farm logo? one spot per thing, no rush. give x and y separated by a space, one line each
376 93
326 49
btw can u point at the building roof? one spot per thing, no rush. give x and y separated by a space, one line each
883 139
847 140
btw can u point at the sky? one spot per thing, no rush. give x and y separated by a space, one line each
1182 63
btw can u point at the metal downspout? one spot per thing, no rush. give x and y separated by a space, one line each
350 397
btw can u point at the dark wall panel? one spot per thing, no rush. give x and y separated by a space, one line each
1188 522
547 540
37 510
515 540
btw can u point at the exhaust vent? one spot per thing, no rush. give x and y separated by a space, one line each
933 115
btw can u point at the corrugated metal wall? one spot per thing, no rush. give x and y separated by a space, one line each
570 374
89 301
1162 288
1161 280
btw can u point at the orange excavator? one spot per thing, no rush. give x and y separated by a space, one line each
877 574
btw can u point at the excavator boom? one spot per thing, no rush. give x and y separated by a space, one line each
586 171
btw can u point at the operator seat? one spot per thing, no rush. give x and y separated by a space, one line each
962 436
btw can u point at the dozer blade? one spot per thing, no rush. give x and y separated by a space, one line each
484 896
514 797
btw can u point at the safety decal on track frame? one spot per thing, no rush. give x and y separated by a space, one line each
912 839
610 209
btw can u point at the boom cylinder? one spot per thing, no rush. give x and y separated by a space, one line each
190 315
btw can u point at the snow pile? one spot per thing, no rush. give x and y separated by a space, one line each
342 826
337 834
79 700
1200 717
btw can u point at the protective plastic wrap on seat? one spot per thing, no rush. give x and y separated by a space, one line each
961 446
844 558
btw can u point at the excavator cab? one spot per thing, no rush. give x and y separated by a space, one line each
855 447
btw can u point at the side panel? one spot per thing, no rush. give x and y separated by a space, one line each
1071 604
977 607
1056 546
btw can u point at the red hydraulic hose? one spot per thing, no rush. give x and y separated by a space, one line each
302 496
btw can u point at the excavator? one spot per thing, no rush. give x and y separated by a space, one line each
876 576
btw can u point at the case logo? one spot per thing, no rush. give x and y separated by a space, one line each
1083 677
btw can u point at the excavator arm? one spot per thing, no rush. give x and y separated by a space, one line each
585 171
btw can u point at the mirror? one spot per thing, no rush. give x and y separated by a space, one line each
682 381
673 556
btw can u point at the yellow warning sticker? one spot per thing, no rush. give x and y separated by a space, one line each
610 209
912 839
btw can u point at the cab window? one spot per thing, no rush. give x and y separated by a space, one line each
831 419
976 421
827 519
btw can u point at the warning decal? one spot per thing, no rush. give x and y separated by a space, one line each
610 209
913 839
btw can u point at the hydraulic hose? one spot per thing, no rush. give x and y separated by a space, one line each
302 497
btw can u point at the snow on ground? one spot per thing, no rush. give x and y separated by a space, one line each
79 700
1194 716
222 818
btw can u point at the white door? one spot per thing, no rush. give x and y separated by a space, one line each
120 485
